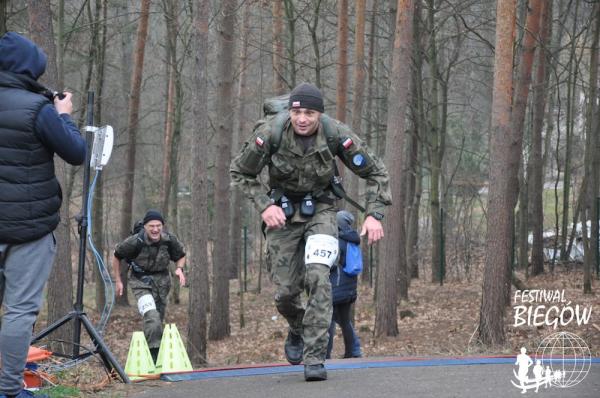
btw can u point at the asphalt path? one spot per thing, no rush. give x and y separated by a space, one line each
367 378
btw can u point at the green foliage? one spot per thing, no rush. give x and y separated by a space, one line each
62 392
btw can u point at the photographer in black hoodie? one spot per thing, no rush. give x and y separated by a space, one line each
34 125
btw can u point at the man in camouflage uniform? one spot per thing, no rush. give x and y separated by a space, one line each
148 254
299 214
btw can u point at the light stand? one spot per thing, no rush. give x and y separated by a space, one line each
78 316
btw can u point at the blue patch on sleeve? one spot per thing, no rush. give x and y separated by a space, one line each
358 160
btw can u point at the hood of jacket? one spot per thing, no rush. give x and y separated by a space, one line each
345 220
20 55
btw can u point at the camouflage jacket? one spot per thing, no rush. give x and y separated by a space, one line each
152 257
295 171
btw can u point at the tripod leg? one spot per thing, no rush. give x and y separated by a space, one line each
109 360
53 327
76 334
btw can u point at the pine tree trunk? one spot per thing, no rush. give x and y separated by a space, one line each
165 192
198 267
171 13
369 129
500 211
393 265
341 99
169 165
415 177
536 177
573 69
219 321
278 79
237 202
412 229
521 94
523 222
174 183
288 6
435 161
132 127
592 159
359 87
532 28
367 276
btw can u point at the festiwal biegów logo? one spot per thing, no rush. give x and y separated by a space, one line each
562 359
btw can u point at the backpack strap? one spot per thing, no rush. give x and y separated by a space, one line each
338 189
139 243
278 125
331 134
333 141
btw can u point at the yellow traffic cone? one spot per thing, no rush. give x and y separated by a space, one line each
172 356
139 363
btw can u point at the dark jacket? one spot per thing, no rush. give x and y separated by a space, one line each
343 286
30 196
151 257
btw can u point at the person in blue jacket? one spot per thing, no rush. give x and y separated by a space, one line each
34 125
344 290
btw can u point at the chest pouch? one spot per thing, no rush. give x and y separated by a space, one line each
325 155
251 160
307 206
287 207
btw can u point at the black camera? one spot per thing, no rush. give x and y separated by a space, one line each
52 94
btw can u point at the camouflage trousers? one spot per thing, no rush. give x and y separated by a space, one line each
158 285
285 252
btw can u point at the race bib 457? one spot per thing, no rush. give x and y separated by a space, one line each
321 249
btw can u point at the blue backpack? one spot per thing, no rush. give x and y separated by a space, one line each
354 264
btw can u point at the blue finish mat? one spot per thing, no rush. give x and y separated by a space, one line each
278 369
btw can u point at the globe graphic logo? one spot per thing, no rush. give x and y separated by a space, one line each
568 357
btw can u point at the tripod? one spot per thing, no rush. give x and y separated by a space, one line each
78 316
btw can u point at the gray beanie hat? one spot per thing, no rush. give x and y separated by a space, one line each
344 220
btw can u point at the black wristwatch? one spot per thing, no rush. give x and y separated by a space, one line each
376 215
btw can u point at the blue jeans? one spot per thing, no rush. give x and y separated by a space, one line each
342 316
24 270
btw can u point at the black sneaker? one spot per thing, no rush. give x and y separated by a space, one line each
315 372
294 345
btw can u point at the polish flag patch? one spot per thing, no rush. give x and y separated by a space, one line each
296 104
260 142
347 143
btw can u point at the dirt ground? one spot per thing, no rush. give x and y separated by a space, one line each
441 321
